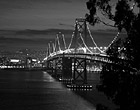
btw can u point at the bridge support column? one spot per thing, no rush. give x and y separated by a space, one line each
67 68
58 68
80 71
50 68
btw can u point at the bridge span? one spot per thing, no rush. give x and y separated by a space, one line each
73 62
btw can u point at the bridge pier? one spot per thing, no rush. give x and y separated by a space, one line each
80 71
58 68
50 67
79 75
67 68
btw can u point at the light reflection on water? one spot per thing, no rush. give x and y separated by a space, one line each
34 90
47 77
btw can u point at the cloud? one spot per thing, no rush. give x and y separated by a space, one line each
67 25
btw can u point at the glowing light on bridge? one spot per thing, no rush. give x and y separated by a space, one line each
83 47
14 60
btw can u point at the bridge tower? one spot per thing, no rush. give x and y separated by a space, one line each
80 35
50 64
80 64
60 43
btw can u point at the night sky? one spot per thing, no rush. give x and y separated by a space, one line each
40 14
18 17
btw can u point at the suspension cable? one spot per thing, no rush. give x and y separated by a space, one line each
58 42
49 52
55 44
93 40
71 40
64 41
108 45
113 40
53 47
85 44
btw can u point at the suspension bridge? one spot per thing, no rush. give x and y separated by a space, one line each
72 62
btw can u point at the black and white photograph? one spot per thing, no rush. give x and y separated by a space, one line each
69 54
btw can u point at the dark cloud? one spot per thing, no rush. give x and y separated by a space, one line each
39 39
66 25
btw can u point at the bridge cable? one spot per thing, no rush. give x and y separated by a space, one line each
64 41
108 45
71 41
72 38
94 40
55 44
85 44
49 52
113 41
58 42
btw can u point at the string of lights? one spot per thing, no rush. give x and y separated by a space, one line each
85 44
96 44
113 40
85 48
58 42
71 41
64 41
94 40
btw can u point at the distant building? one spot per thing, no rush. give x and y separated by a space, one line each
29 62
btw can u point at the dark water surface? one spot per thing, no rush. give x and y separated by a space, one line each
37 90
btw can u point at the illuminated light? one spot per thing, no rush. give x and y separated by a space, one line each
34 60
132 6
14 60
105 48
101 47
95 48
9 66
68 86
60 79
119 48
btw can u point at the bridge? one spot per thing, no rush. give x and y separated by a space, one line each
72 62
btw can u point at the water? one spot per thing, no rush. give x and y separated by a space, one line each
37 90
